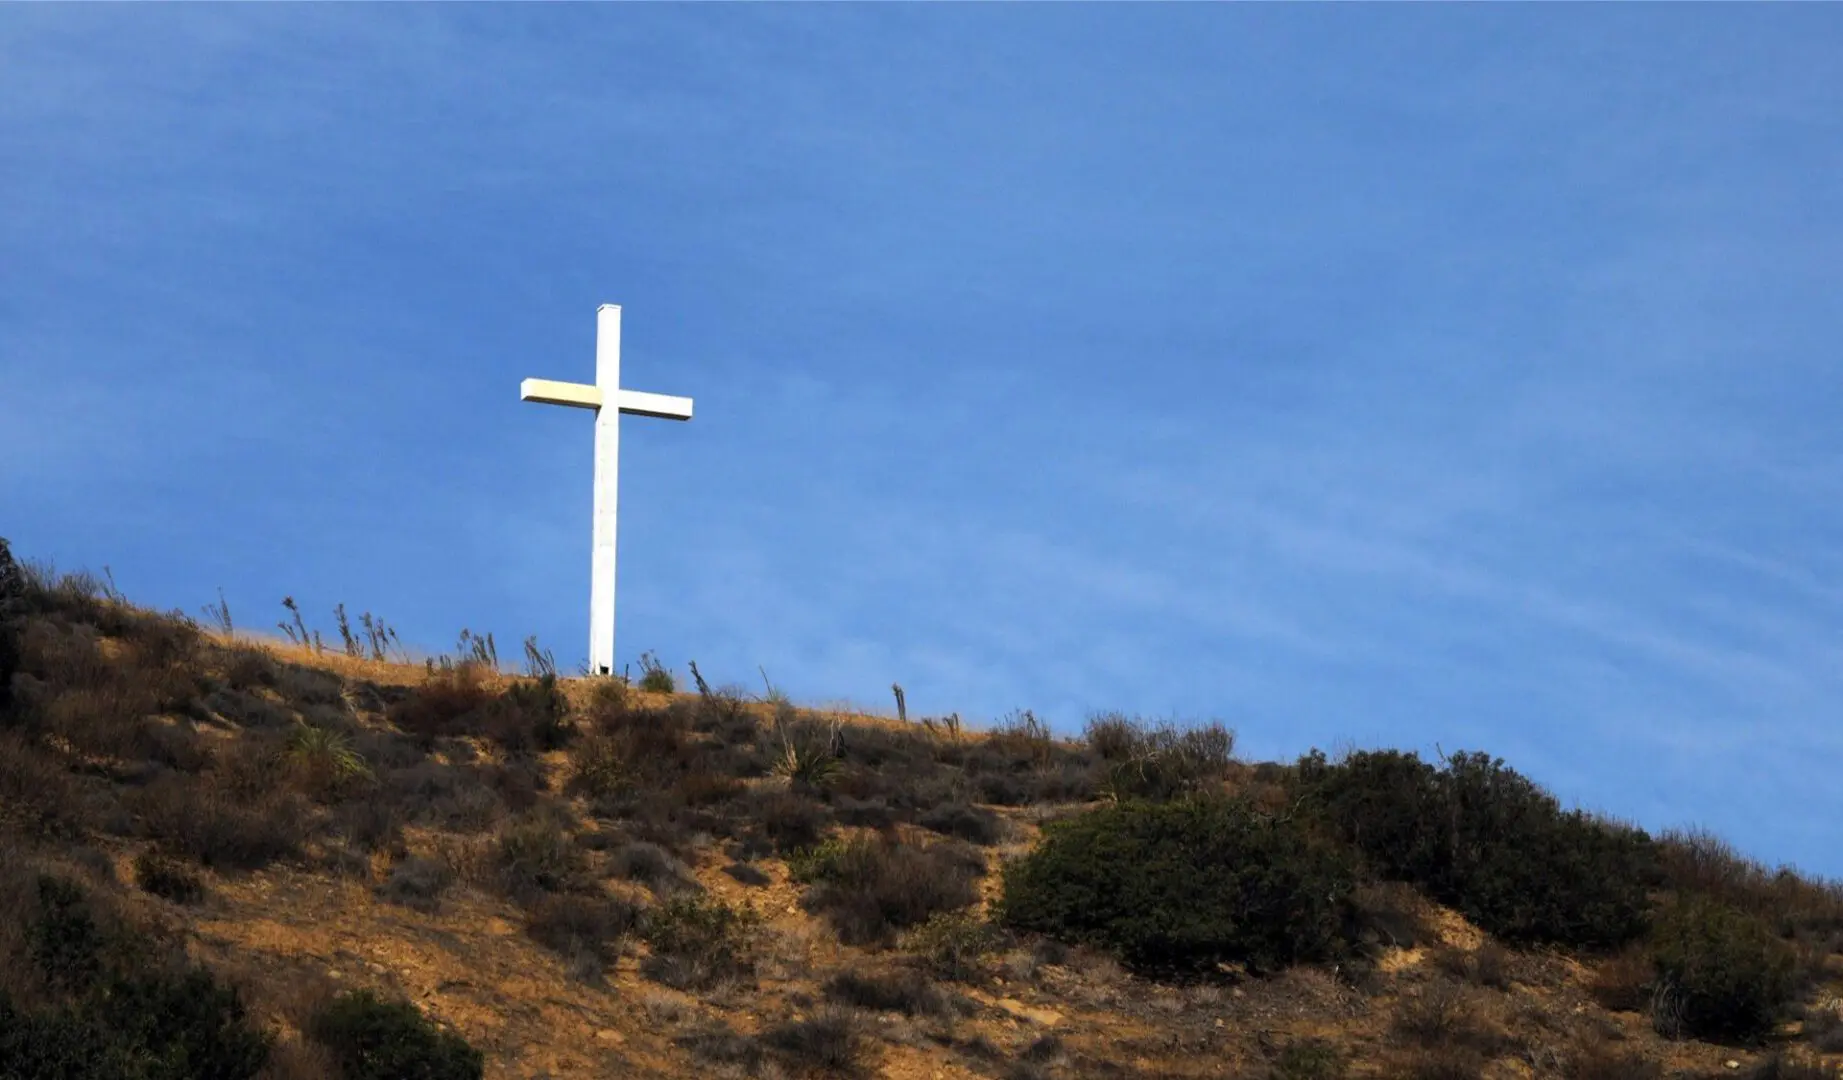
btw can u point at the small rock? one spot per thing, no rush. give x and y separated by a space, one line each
610 1035
1730 1064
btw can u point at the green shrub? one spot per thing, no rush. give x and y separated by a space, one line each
1718 972
698 942
1310 1059
64 940
374 1039
1483 839
1185 886
956 945
654 678
186 1025
153 1026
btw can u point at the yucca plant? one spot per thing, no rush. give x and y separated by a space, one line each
325 755
807 757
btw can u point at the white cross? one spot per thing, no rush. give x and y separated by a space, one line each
607 459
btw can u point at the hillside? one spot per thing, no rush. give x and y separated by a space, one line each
212 845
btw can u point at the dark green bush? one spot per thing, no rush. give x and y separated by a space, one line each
1718 972
64 940
186 1026
956 945
1483 839
153 1026
1182 887
1310 1059
374 1039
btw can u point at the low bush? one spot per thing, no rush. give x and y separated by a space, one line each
449 702
1718 972
375 1039
1443 1014
163 877
956 945
828 1041
748 874
719 1044
652 866
1622 982
869 888
584 930
536 856
40 797
971 823
530 715
699 942
1185 886
1310 1059
219 829
782 822
1161 762
417 883
902 991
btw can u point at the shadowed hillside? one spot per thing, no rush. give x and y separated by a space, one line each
225 857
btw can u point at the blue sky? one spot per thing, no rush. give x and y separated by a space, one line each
1413 376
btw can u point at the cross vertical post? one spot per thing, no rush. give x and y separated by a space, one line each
607 489
609 401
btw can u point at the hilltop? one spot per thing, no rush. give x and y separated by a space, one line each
228 857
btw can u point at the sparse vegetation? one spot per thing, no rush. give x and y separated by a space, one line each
132 739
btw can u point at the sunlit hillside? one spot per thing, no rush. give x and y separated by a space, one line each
228 857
